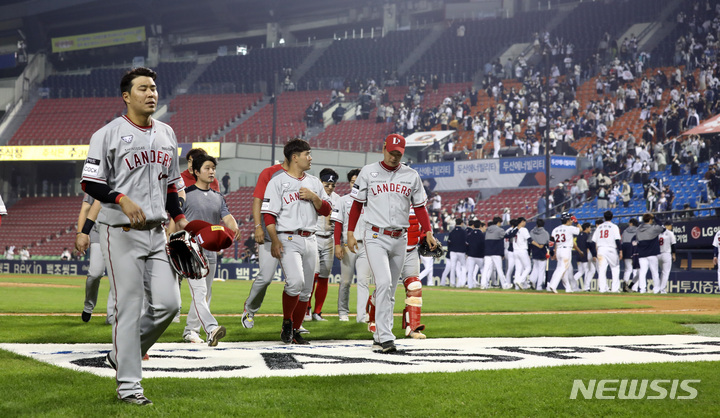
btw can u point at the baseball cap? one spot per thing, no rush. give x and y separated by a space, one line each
395 142
210 237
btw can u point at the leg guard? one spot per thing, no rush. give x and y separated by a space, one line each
413 307
370 309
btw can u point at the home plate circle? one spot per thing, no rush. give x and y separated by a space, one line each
332 358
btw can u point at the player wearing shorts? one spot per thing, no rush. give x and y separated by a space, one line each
388 190
89 237
666 258
132 169
563 238
291 206
325 247
205 204
350 262
266 262
608 242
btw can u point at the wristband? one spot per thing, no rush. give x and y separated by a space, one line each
89 223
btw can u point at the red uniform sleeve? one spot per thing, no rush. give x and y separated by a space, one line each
325 208
337 233
215 185
424 218
263 180
269 219
354 215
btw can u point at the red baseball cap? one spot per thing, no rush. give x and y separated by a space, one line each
210 237
395 142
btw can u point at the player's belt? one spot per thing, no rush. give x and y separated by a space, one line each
324 236
148 226
394 233
298 232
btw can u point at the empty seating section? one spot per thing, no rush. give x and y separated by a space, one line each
30 224
66 121
290 119
198 116
244 73
458 58
351 59
354 135
106 82
240 204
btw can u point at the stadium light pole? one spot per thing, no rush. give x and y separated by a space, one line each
273 100
547 176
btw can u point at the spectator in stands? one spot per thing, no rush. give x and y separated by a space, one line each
66 254
559 198
24 253
338 113
226 182
435 203
541 206
506 217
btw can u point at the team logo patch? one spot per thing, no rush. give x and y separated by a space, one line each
217 228
374 174
285 186
289 237
374 235
127 138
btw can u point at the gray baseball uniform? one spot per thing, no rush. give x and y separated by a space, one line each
325 242
296 224
267 263
96 270
351 263
388 195
208 206
140 162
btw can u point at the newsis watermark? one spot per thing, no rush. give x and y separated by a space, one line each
634 389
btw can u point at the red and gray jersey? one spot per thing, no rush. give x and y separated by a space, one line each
388 194
324 223
667 240
137 161
341 213
607 234
282 200
563 236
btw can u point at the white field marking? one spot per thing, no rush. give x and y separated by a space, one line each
326 358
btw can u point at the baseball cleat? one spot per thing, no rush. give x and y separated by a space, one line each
193 338
298 338
417 335
248 320
286 335
343 318
318 317
302 330
137 399
216 335
550 289
109 361
388 347
377 347
86 316
308 317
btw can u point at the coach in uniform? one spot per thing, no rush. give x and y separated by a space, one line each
387 189
132 168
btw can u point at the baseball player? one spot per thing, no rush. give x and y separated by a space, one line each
188 175
608 242
629 247
387 189
540 251
648 249
494 250
457 247
667 257
563 237
267 263
522 258
427 272
89 237
349 261
325 247
293 200
584 258
3 209
205 204
716 244
132 169
510 249
475 251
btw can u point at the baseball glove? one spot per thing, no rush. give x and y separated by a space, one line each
185 256
425 251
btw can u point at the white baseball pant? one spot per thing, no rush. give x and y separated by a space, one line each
537 276
524 267
665 260
564 266
629 270
472 266
199 314
510 255
608 256
493 263
646 263
452 268
427 270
